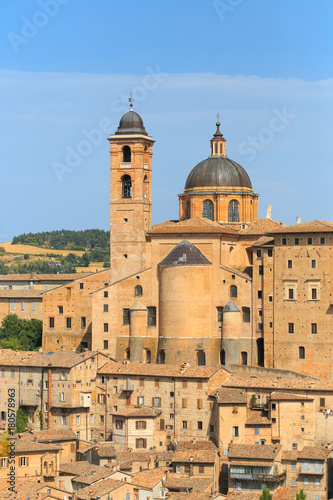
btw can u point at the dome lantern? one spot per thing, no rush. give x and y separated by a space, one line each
218 143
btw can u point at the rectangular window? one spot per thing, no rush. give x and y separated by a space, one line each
290 293
60 310
314 328
322 241
184 424
201 469
235 431
68 322
284 241
314 293
51 322
46 406
273 420
256 431
290 264
199 384
293 466
157 382
151 316
78 419
3 463
270 324
12 373
141 400
296 241
219 311
23 306
142 382
199 404
92 418
81 286
259 294
187 468
83 322
177 469
105 344
33 307
317 481
199 425
313 264
102 399
258 253
211 429
259 327
141 424
12 306
126 317
270 298
105 327
23 461
261 270
102 419
306 480
105 308
309 241
63 420
106 294
119 424
62 396
290 327
157 402
293 482
322 402
270 252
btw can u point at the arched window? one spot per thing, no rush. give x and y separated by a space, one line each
233 291
243 358
138 291
188 210
127 354
147 356
162 357
126 154
126 186
215 148
145 187
201 358
208 209
221 150
233 211
222 357
301 352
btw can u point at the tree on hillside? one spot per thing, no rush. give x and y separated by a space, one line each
20 334
301 495
266 494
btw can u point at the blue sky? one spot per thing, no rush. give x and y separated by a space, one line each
67 67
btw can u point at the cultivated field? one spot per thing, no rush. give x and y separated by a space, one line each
32 250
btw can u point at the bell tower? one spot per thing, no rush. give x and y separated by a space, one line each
131 150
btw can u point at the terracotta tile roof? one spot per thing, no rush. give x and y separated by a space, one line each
279 494
60 359
188 496
27 445
242 272
155 370
285 493
255 417
263 240
149 478
314 226
127 457
243 495
194 456
98 489
105 450
230 395
23 490
194 225
251 463
281 384
21 294
289 455
261 226
194 484
262 452
138 411
283 396
314 453
55 434
85 471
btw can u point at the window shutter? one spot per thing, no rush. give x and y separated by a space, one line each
72 447
137 424
98 398
145 443
160 402
199 403
136 443
184 403
138 401
145 425
162 424
27 461
153 401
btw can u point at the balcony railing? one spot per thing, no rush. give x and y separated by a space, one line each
312 469
278 476
127 388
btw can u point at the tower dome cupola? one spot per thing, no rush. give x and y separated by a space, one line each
131 123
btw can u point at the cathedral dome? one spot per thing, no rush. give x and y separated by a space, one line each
131 123
217 172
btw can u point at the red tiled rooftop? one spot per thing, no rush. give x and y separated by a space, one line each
249 451
261 226
150 478
155 370
314 226
193 225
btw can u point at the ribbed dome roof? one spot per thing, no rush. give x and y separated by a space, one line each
131 123
218 172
